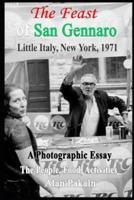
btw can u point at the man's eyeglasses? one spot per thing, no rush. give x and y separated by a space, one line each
87 84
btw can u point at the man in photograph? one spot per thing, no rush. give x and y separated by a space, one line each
88 106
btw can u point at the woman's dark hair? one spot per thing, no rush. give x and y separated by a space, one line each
9 88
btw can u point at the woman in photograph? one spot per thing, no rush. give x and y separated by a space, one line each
19 141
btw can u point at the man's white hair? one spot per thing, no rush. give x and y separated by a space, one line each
89 76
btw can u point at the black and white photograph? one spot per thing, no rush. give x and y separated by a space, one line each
67 100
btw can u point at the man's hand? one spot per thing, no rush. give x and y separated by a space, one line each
77 64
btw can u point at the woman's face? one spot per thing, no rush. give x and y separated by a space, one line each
18 102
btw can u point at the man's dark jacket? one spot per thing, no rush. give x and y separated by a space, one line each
77 103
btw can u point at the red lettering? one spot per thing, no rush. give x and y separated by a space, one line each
94 13
73 15
65 11
69 12
42 12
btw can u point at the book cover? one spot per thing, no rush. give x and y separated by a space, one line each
41 42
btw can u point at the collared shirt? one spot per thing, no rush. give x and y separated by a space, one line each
91 119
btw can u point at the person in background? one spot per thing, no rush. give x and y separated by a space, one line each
18 142
128 123
88 106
